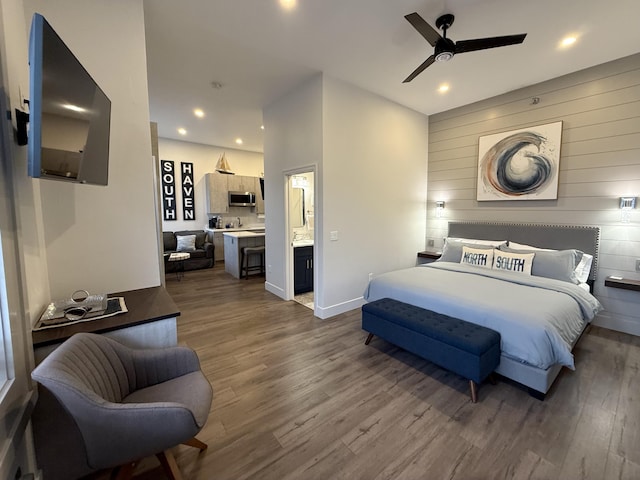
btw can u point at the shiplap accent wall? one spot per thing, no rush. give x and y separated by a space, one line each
599 162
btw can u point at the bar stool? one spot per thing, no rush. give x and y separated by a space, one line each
244 261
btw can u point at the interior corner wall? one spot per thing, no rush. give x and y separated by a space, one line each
20 255
32 254
370 156
292 139
599 162
103 239
204 159
374 191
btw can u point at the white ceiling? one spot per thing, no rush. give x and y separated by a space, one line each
258 52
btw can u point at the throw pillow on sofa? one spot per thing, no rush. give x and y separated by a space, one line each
186 243
201 236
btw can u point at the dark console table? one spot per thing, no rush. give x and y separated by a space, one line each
151 321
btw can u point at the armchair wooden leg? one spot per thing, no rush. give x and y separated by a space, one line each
125 472
168 462
366 342
194 442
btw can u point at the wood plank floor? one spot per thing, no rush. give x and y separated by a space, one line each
296 397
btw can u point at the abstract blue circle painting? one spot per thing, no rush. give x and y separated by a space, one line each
520 164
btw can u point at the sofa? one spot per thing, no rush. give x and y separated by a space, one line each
194 242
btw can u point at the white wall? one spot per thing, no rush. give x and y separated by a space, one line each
33 257
74 236
374 191
103 238
599 162
370 158
17 244
204 159
292 139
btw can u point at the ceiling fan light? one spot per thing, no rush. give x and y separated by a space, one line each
444 56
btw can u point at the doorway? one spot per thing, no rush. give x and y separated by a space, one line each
301 234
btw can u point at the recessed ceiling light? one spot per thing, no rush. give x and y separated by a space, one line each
261 127
182 131
239 141
288 4
198 113
568 41
444 88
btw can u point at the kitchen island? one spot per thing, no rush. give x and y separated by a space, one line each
216 236
234 242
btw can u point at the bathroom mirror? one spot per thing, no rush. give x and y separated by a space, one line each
296 207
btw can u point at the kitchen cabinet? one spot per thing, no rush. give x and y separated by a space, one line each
259 199
217 192
218 246
218 186
241 183
302 269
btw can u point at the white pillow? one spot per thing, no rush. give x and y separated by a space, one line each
513 262
584 268
522 246
493 243
478 257
186 243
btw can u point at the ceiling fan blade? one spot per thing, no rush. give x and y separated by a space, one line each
420 69
427 31
492 42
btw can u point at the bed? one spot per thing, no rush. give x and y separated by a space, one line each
540 319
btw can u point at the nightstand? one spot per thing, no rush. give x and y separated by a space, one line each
428 256
623 283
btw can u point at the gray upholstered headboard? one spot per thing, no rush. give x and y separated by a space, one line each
559 237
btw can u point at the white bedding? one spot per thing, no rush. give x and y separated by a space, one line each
538 318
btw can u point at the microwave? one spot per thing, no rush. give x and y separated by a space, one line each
242 199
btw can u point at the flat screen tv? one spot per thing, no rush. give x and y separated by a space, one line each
69 115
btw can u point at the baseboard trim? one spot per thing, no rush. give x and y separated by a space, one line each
618 324
337 309
276 290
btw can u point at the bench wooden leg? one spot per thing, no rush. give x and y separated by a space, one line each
474 391
366 342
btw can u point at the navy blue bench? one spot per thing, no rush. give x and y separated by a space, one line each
472 351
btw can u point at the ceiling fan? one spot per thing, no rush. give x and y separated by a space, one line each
446 48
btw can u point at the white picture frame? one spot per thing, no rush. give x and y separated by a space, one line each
520 164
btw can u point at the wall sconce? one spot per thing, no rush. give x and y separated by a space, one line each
439 209
626 205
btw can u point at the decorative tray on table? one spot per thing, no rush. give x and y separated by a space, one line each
80 307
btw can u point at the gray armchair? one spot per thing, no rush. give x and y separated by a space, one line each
127 404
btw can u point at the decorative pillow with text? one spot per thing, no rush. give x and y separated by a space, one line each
513 262
477 257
